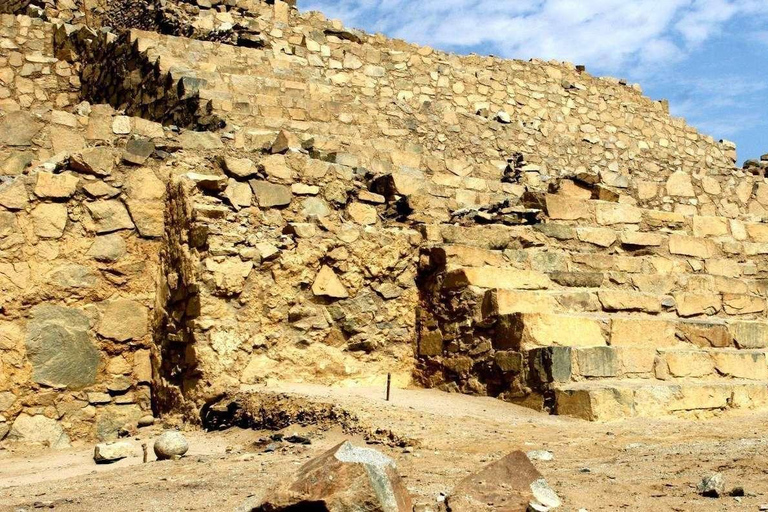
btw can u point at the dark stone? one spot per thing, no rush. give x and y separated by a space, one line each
60 349
597 362
550 364
137 151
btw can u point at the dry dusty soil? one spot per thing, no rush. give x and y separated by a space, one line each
643 465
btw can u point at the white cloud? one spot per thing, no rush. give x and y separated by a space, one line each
610 35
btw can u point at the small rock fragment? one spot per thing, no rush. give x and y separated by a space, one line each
712 486
327 284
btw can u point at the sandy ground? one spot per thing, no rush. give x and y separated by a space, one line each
643 465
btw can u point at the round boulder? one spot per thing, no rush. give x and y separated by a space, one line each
171 445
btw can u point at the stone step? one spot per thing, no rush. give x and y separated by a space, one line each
592 212
615 399
730 258
639 272
632 273
568 364
511 295
531 330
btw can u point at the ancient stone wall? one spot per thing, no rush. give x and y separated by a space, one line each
328 220
78 251
268 282
452 124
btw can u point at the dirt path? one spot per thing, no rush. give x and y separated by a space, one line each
634 465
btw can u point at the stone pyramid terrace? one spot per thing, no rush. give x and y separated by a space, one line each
259 195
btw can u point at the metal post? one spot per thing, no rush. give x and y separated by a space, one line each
389 382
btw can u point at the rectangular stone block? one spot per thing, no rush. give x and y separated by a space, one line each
749 334
709 226
597 362
688 363
736 304
633 332
699 397
567 208
530 330
507 302
741 364
691 246
692 304
620 300
636 361
705 334
595 404
492 277
550 364
617 213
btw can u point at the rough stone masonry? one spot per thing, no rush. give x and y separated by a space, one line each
207 195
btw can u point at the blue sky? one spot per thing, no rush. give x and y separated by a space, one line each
709 58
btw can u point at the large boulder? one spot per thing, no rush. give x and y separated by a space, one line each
511 484
39 429
171 445
60 348
343 479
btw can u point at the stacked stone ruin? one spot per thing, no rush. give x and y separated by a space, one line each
276 198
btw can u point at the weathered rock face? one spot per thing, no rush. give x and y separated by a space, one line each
344 478
60 347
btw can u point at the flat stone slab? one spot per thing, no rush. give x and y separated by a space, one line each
60 347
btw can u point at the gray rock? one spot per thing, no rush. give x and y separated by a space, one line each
109 216
269 195
59 347
315 206
240 167
137 151
545 499
108 248
17 162
106 453
19 128
98 161
171 445
13 194
113 418
340 477
712 486
200 140
72 276
146 421
542 455
7 399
